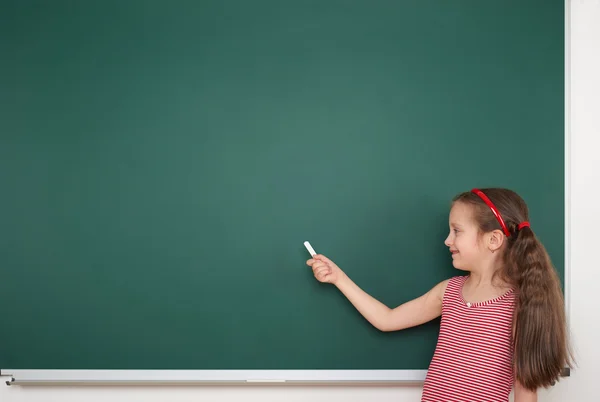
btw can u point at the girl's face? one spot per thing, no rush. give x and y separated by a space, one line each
464 238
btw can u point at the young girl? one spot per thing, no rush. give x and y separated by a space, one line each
503 324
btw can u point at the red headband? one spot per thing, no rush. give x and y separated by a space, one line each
497 213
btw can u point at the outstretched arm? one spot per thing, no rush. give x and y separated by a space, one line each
415 312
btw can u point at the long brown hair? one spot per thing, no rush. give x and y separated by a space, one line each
541 346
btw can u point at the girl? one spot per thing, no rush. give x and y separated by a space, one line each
503 324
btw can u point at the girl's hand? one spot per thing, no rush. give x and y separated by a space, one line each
324 269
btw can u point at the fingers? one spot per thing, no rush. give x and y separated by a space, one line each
321 257
317 265
321 271
323 275
322 267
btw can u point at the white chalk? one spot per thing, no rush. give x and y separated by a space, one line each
309 248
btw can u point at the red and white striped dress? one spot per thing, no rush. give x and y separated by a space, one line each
473 357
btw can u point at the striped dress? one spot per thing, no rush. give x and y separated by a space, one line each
473 357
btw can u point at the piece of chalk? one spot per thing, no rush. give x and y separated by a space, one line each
309 248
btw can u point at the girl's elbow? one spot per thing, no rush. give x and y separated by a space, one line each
383 322
381 326
387 327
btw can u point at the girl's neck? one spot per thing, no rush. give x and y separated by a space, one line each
486 278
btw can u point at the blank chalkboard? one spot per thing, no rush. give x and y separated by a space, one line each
162 163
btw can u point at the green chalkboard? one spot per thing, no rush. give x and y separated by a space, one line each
162 163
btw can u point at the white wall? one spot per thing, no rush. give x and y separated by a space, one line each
584 157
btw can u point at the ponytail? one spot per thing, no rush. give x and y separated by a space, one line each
540 335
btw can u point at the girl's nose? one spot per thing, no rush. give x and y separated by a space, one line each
447 241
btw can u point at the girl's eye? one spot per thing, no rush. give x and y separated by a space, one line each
455 230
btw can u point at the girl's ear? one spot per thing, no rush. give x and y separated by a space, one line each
495 240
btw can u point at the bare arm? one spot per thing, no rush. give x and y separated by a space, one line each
415 312
412 313
522 394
